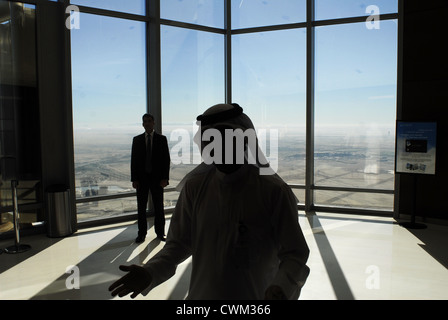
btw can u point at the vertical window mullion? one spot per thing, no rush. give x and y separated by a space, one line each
153 67
310 43
228 50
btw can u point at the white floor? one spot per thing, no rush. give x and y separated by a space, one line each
352 257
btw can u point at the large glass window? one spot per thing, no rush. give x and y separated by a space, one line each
259 13
354 93
109 99
269 82
355 105
192 80
206 13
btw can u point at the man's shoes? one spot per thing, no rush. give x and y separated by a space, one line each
140 239
161 237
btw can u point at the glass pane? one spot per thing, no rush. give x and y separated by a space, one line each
300 195
355 105
20 152
258 13
331 9
268 82
358 200
170 199
129 6
94 210
207 13
109 99
192 80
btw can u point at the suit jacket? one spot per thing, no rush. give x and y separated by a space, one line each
160 157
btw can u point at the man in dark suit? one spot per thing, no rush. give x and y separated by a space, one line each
150 167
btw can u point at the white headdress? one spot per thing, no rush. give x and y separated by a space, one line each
229 116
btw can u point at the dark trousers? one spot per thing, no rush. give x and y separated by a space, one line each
153 185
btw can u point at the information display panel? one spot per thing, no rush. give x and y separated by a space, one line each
416 147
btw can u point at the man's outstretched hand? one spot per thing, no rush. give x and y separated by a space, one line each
274 293
137 280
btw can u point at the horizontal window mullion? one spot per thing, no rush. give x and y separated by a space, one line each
382 17
191 26
366 190
297 186
352 210
113 14
114 196
270 28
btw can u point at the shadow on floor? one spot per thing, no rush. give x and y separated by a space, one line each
94 281
9 260
338 280
434 239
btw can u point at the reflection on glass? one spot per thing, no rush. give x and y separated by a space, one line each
94 210
192 80
258 13
109 99
331 9
20 158
129 6
268 81
170 199
355 105
207 13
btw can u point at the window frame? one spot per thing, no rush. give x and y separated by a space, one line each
154 22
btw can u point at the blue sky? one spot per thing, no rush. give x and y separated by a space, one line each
355 66
108 71
129 6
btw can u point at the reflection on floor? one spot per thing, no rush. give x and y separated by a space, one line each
352 257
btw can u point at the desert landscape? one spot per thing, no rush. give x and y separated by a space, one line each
103 168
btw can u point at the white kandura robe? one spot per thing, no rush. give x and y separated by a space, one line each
243 234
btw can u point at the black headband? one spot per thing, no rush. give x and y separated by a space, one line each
220 116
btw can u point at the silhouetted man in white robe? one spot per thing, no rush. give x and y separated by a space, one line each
240 226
